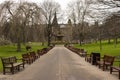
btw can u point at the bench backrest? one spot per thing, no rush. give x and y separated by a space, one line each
82 50
8 60
13 59
32 54
109 59
25 55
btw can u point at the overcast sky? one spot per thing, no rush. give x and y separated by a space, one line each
63 3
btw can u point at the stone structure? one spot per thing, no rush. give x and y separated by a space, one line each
61 32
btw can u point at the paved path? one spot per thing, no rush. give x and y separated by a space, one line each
61 64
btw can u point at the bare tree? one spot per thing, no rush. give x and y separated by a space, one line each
20 17
112 23
111 3
49 8
79 10
32 18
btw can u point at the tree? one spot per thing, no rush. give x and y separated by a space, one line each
77 12
111 3
112 23
112 20
21 18
31 19
49 8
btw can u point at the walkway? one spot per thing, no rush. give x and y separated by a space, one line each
61 64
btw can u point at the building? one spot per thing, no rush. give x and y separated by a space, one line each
61 32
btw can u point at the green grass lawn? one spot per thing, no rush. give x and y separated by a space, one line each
107 49
10 50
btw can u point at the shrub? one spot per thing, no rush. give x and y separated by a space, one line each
4 41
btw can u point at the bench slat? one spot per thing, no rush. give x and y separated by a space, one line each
11 63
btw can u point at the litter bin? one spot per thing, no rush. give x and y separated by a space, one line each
94 57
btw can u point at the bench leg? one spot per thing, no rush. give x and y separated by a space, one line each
111 69
119 74
12 70
103 67
4 71
18 67
23 65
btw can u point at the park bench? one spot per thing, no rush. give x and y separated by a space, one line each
39 53
27 58
88 58
33 55
106 62
44 51
11 64
82 53
116 68
78 51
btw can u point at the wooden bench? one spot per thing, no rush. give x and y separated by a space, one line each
88 58
12 64
82 53
44 51
106 62
33 55
27 58
115 68
39 53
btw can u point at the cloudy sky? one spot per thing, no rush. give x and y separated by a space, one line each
63 3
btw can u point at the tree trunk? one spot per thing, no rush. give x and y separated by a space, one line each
80 43
43 43
18 47
80 39
115 42
49 41
109 40
100 44
49 33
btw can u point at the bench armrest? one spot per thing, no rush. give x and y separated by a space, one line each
8 63
19 59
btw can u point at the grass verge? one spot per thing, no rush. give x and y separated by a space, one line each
10 50
107 49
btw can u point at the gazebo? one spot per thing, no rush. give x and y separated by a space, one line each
59 37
